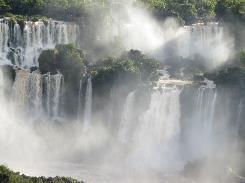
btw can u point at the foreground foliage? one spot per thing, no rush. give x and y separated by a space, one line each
8 176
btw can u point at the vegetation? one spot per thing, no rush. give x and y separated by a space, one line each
228 75
187 11
242 56
70 62
8 176
66 59
190 11
133 65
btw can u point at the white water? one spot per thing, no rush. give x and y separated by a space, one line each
155 136
151 140
88 105
137 29
23 48
79 108
126 125
200 134
209 41
53 86
28 92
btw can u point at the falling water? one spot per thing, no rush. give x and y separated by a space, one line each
53 89
207 41
27 91
20 89
79 107
2 85
200 132
35 91
23 47
155 136
88 104
126 121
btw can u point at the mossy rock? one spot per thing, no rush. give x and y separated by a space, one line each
66 59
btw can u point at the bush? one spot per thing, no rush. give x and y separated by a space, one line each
8 176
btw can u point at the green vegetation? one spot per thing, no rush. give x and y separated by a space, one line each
228 75
66 59
187 11
8 176
242 56
132 65
70 62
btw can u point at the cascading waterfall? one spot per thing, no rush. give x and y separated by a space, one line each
201 134
88 105
53 89
155 136
28 92
23 47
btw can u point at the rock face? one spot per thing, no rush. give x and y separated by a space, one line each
21 43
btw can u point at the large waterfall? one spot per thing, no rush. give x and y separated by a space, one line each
22 46
179 125
139 127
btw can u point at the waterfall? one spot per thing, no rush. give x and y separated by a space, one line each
79 106
27 91
35 92
88 104
20 89
53 89
207 41
155 135
200 133
2 85
127 115
23 47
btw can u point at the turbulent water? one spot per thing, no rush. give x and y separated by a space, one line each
22 46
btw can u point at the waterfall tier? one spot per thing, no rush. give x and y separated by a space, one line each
22 46
206 41
33 92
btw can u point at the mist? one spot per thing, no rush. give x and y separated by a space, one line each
134 27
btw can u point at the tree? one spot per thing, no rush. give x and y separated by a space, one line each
230 10
4 7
